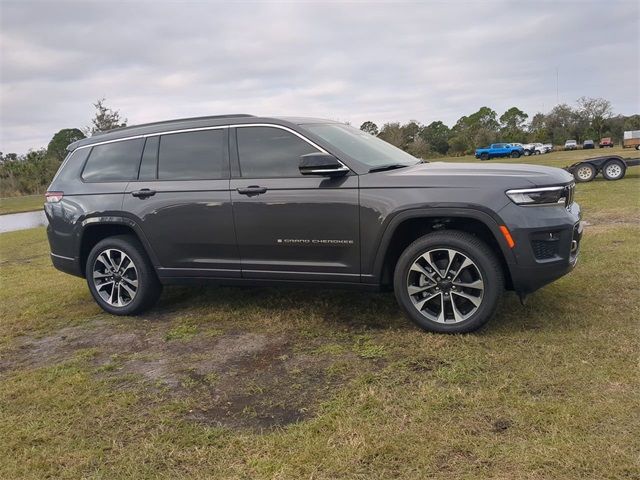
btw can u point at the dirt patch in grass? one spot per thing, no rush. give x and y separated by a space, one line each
235 379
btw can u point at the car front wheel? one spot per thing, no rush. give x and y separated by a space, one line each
448 282
120 276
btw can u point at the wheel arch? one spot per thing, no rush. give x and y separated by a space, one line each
95 229
407 226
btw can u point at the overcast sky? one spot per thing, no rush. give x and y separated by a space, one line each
351 61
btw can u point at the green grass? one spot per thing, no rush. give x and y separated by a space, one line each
27 203
287 383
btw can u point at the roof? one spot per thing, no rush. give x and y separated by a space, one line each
188 123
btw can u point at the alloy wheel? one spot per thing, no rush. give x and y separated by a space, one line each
445 286
115 277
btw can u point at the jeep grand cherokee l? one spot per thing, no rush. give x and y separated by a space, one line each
239 199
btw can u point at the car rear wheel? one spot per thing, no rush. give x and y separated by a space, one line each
515 154
585 172
613 170
120 276
448 282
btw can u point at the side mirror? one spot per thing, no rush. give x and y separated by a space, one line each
321 164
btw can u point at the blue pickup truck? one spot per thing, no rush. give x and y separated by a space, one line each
500 150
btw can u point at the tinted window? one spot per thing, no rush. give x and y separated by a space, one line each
113 162
149 164
193 156
71 167
270 152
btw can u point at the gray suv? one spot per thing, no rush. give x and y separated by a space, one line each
238 199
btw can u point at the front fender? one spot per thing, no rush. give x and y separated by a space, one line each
487 217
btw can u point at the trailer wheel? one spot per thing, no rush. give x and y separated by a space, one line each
584 172
613 170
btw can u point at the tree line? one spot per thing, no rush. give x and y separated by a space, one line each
32 172
589 119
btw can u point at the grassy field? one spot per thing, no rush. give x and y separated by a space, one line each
292 383
28 203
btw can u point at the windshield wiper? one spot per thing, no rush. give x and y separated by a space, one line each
391 166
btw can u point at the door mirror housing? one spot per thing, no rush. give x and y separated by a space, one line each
323 164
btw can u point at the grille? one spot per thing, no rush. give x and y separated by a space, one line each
569 193
545 249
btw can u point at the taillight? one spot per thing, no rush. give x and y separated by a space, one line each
53 197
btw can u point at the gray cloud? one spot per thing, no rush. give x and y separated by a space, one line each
350 61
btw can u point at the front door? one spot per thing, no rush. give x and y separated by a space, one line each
182 203
291 226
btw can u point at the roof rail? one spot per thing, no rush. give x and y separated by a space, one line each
209 117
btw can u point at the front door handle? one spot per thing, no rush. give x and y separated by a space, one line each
143 193
252 190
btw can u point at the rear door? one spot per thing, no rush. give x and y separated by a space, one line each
182 202
291 226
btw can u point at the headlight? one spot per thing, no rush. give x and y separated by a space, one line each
539 196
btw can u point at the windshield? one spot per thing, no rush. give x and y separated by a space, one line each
361 146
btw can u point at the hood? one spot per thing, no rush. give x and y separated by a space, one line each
499 175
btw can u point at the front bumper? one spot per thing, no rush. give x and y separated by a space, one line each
547 244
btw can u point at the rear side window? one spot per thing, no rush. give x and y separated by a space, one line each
270 152
114 162
194 156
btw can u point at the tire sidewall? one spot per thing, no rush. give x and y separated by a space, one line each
478 253
611 162
581 180
146 275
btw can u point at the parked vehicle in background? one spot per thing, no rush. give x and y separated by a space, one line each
588 144
246 200
549 147
606 142
631 139
536 148
498 150
612 167
527 148
570 145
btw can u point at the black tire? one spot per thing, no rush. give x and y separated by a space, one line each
527 153
584 172
148 286
614 170
515 154
484 156
468 245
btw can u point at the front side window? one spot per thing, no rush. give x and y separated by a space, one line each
270 152
193 156
114 162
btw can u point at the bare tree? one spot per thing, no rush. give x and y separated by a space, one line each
105 119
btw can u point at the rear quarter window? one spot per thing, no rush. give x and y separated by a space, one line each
114 162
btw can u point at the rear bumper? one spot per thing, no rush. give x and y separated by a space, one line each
66 264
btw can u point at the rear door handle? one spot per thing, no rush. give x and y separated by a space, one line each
252 190
143 193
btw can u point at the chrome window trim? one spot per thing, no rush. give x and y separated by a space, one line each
218 127
200 129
